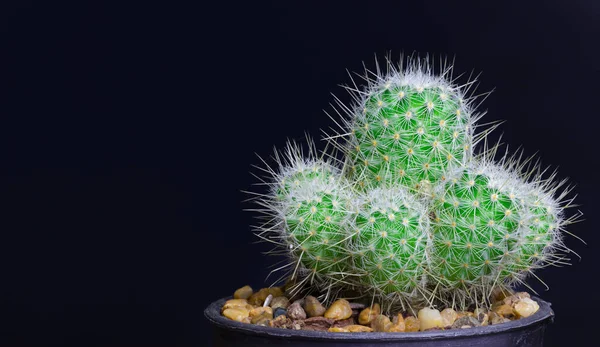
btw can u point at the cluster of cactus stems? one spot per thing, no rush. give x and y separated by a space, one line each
410 214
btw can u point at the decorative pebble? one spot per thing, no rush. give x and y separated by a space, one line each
496 318
260 310
448 316
243 293
279 311
318 323
338 330
366 316
466 321
262 318
295 311
381 323
235 303
355 328
398 324
344 322
525 307
313 307
430 318
412 324
482 316
236 314
504 310
340 309
259 297
280 301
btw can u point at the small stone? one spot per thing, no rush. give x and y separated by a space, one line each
357 306
430 318
236 314
340 309
265 316
366 316
318 323
499 293
259 297
504 310
295 311
263 321
260 310
381 323
280 301
355 328
448 316
466 321
344 322
281 322
338 330
525 307
466 327
234 303
243 293
496 318
482 316
313 307
279 312
412 324
398 324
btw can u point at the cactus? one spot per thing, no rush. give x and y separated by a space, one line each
491 228
408 127
307 216
412 217
390 236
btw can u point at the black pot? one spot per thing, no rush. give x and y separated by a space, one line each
523 332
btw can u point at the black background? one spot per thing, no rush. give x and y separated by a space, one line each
128 131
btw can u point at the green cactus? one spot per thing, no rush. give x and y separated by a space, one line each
388 246
408 127
307 213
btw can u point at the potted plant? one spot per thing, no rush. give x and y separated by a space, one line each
408 229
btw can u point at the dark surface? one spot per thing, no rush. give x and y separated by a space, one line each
127 131
526 332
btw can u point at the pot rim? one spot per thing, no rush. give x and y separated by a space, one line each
213 314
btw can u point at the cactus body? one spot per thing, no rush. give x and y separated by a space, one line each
478 221
410 127
389 244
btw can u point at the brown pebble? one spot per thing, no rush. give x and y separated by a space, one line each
496 318
236 314
449 316
243 293
295 311
504 310
355 328
281 322
338 330
280 302
344 322
366 316
466 320
318 323
525 307
398 324
357 306
259 297
260 310
313 307
381 323
340 309
412 324
262 317
234 303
